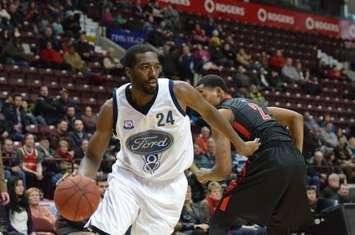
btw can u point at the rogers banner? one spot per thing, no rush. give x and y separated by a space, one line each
265 15
347 29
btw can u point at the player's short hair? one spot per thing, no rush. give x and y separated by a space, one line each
212 81
129 59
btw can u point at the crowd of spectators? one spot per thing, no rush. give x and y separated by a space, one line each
196 46
49 35
28 212
44 139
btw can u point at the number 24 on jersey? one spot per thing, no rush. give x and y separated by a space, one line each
164 119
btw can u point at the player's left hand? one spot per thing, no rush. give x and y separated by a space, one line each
204 175
250 147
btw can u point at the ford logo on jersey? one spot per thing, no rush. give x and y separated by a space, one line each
149 142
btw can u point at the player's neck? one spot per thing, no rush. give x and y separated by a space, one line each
139 97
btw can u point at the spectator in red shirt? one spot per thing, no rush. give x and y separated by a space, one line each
213 196
64 152
199 35
278 60
202 139
52 58
107 17
31 162
335 74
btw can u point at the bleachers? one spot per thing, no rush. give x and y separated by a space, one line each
14 79
302 46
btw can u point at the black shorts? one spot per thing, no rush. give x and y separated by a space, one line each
66 227
271 187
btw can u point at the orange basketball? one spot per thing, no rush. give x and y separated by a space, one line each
76 197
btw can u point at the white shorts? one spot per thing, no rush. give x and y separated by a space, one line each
150 207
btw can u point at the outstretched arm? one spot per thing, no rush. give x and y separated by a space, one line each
98 142
293 120
188 96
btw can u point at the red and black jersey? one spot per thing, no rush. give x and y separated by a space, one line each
252 120
276 171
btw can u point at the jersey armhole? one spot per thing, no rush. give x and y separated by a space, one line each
172 94
114 106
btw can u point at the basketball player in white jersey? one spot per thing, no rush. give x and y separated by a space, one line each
147 185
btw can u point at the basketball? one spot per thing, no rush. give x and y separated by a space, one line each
77 197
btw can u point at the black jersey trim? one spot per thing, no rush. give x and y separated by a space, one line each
145 109
172 94
97 230
114 105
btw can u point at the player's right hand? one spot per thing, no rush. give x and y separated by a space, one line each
250 147
204 227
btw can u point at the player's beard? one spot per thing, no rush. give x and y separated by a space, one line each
148 89
144 86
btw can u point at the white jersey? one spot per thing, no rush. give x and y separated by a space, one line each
156 142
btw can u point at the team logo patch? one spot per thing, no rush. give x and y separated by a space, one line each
128 124
150 145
